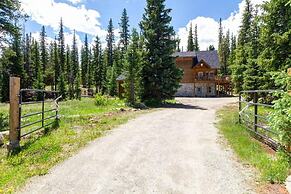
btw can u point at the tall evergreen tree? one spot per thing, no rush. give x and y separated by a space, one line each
132 68
28 62
124 31
43 50
38 73
190 45
85 60
98 65
252 74
275 39
110 38
57 67
196 42
75 70
62 53
244 37
10 13
160 76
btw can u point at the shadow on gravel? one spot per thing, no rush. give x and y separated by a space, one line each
183 106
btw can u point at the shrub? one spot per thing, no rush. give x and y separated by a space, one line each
101 100
3 122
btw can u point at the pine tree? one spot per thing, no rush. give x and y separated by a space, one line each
241 55
196 43
85 62
190 45
17 68
57 67
75 70
124 31
132 68
90 70
10 12
178 44
43 49
50 70
160 76
225 52
38 72
98 65
70 79
252 73
275 39
28 62
62 53
6 63
211 48
111 76
110 43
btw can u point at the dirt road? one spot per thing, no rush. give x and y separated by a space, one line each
175 150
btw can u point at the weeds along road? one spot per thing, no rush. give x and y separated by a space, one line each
174 150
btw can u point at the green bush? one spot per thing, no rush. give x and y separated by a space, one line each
3 122
101 100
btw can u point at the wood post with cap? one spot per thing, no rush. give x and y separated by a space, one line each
14 131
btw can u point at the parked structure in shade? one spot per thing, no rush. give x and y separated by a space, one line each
200 75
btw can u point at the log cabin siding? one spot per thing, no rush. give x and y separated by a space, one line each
186 65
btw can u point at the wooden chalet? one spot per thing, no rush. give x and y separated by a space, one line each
200 77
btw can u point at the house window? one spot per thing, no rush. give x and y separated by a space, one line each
200 75
209 89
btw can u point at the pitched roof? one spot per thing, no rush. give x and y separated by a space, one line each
210 57
121 77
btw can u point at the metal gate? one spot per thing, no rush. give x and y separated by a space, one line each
46 117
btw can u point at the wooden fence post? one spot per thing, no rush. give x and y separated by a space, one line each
255 111
14 133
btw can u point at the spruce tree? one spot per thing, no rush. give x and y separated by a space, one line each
85 59
196 42
190 45
57 67
6 63
75 70
160 76
10 12
252 74
98 65
90 70
275 39
62 53
132 69
28 62
124 31
38 72
211 48
244 37
17 68
110 38
43 50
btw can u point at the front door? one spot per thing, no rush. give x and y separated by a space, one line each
198 91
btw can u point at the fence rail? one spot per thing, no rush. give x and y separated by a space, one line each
256 122
39 99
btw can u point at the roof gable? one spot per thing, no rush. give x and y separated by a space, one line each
209 57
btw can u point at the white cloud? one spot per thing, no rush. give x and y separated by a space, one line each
48 13
208 27
76 1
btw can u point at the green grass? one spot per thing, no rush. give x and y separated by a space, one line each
272 168
81 122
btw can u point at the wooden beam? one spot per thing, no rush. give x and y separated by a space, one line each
14 131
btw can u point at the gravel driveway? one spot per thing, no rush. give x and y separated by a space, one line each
174 150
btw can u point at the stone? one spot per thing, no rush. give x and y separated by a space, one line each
1 139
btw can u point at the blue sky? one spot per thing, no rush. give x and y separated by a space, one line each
92 16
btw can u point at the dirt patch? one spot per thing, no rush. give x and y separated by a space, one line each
273 189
